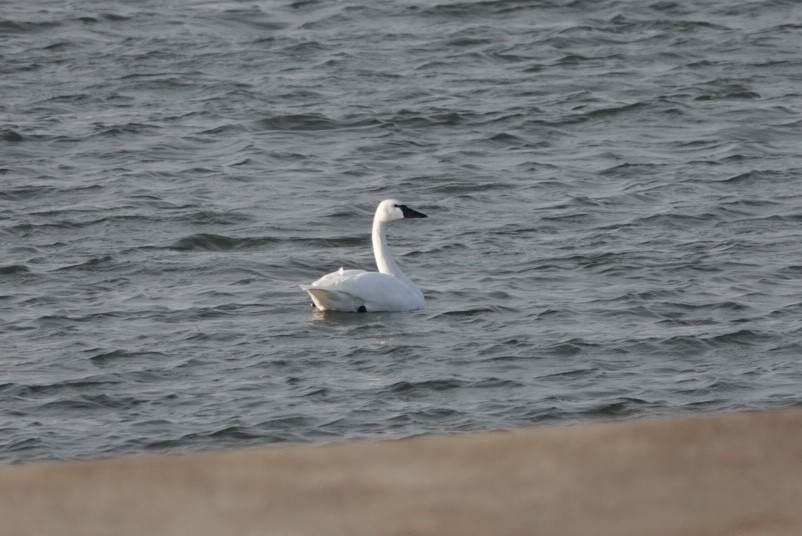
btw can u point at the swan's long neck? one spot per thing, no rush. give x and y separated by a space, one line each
384 259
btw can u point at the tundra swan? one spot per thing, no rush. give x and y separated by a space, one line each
361 291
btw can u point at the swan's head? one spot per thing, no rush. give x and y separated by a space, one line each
392 209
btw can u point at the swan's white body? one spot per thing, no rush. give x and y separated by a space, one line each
360 291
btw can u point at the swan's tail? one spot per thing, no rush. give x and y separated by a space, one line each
335 300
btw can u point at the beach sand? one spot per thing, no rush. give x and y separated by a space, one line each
732 474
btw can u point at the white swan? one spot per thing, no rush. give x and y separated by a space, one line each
360 291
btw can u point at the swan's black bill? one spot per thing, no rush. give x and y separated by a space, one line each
411 213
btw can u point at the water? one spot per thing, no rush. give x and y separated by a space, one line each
612 190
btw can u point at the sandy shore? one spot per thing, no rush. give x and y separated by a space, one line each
720 475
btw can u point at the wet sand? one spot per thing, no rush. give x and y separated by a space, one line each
736 474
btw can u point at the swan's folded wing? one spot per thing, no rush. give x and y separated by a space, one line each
375 290
332 291
332 300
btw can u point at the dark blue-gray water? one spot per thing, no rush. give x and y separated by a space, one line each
613 188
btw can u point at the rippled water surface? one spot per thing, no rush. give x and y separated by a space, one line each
613 191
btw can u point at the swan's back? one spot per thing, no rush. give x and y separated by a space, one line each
361 291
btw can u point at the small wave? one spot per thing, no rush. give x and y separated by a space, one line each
106 358
211 217
628 169
474 311
96 19
14 269
620 407
91 265
727 305
61 390
215 242
756 177
566 349
465 188
23 193
509 141
570 374
124 129
746 95
571 59
744 337
721 90
11 136
435 415
232 432
311 123
88 402
207 242
253 18
410 119
677 220
496 383
624 23
609 112
406 387
228 435
12 26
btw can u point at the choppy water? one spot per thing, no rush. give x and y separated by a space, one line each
613 188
